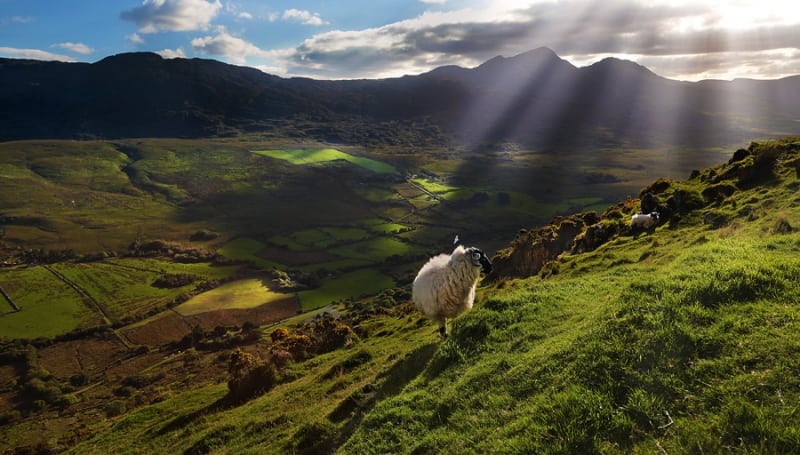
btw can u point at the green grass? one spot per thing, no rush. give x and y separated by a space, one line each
682 340
346 286
242 294
592 363
325 155
433 187
49 306
122 286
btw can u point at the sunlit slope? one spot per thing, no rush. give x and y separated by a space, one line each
679 340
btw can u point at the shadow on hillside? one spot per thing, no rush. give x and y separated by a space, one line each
358 404
182 421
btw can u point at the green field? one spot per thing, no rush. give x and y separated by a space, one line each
242 294
325 155
346 286
49 306
121 286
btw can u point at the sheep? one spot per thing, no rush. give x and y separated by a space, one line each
644 220
445 285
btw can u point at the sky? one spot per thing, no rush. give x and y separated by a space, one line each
354 39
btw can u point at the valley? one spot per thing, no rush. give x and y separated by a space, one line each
135 274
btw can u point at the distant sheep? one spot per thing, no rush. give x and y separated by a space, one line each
644 220
445 285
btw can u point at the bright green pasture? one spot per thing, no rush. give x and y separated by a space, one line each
349 285
325 155
245 249
433 187
242 294
49 306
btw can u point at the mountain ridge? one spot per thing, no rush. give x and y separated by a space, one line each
535 98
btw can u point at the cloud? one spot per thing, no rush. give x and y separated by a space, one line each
21 19
170 53
34 54
78 48
244 15
231 48
675 37
172 15
135 38
434 2
304 17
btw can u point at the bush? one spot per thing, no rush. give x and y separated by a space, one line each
249 377
115 408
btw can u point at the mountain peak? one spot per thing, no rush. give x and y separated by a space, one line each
620 67
132 57
532 58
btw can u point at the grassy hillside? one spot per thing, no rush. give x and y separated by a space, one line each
681 339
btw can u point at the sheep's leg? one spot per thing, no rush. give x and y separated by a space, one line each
442 327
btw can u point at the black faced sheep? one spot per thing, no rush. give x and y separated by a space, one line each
445 285
644 220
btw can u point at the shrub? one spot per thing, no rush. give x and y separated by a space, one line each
249 377
115 408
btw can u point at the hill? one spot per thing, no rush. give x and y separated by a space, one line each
535 99
677 339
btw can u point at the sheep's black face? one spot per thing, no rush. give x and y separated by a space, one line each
479 259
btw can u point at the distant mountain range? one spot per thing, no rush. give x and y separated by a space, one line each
536 99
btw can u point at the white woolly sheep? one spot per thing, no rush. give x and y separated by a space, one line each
445 285
644 220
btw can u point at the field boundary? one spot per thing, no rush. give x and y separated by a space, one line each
91 302
10 301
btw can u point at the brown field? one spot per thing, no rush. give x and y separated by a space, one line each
408 191
164 329
172 326
90 356
274 311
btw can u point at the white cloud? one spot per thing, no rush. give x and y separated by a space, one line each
172 15
34 54
434 2
304 17
688 39
244 15
231 48
172 53
21 19
78 48
135 38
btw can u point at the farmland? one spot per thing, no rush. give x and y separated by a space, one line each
317 213
159 249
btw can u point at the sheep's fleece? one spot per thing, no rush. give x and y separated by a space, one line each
445 285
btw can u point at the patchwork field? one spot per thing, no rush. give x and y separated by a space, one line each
314 211
326 155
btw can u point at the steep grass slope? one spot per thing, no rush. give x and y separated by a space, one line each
679 340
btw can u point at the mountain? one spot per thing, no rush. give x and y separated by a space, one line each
535 98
